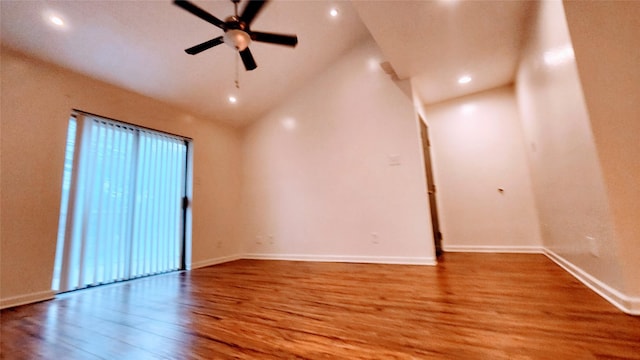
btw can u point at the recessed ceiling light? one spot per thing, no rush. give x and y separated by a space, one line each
333 12
464 79
56 20
232 99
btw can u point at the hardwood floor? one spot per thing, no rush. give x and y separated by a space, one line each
471 306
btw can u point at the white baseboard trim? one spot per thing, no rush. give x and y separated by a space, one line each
27 299
215 261
627 304
494 249
398 260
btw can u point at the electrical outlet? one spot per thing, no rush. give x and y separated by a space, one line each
271 240
374 238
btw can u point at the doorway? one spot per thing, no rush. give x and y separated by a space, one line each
431 187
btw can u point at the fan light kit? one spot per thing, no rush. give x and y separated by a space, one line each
237 39
237 31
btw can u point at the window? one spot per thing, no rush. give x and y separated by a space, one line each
123 208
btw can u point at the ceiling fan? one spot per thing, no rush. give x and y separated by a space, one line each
237 30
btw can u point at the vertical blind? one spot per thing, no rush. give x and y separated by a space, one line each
121 212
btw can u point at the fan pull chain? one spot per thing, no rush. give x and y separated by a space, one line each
237 73
235 8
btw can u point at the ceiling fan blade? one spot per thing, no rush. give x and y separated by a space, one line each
280 39
204 46
192 8
252 9
247 59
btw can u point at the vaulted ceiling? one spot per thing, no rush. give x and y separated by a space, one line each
434 43
139 45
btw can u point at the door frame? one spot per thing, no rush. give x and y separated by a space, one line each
431 187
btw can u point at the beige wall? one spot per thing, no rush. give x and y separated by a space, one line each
606 39
324 188
478 147
36 101
568 181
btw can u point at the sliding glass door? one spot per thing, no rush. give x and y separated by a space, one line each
123 203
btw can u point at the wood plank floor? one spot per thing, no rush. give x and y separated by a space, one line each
471 306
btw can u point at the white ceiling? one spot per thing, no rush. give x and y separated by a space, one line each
436 42
139 45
